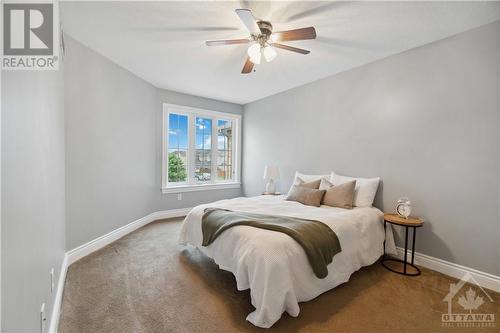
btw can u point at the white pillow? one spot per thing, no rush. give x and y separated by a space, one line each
301 178
307 178
365 190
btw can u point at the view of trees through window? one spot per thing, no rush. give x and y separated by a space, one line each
177 148
203 166
176 168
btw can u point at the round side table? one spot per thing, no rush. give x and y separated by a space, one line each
410 222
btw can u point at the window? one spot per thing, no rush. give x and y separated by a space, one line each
224 150
201 149
177 148
203 157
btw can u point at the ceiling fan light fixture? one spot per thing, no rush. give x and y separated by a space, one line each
264 40
254 53
269 53
255 60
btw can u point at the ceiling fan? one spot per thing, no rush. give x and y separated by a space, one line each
263 39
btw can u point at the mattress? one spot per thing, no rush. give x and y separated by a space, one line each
274 266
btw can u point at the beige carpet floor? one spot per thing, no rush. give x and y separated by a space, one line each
145 282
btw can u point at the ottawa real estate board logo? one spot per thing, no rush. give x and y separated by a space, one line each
30 36
465 300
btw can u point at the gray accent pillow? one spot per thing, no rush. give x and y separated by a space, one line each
314 184
341 196
306 196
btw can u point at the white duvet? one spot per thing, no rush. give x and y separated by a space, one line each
274 266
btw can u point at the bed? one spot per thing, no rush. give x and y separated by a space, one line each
274 266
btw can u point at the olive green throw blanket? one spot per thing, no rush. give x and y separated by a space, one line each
316 238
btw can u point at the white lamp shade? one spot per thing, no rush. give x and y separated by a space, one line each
269 53
255 60
271 172
254 53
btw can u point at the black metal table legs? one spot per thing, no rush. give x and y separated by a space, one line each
405 259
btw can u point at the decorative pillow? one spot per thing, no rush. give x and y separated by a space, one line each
312 184
365 191
340 196
307 178
306 196
325 184
301 178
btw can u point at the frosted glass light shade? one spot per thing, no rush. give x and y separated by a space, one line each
255 60
269 53
254 53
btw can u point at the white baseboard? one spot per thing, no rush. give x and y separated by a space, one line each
56 306
485 280
98 243
94 245
168 214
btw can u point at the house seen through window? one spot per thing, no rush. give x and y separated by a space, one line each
200 147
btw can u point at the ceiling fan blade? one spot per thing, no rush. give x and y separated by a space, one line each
247 67
290 48
227 41
296 34
249 21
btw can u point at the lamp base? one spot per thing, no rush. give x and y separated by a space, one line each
270 187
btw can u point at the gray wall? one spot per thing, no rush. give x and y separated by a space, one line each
32 194
426 121
113 146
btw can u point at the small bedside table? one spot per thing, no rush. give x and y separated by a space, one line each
275 193
410 222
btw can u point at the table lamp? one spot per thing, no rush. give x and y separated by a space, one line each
271 173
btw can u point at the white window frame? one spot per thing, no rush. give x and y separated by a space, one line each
191 185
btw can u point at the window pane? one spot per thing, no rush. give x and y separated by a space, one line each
203 159
224 150
177 147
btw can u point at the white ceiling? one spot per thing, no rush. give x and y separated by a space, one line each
163 42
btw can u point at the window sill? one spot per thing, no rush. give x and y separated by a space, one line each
200 187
